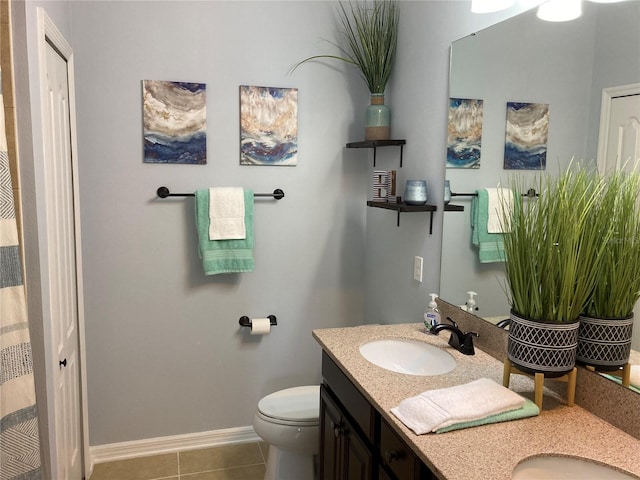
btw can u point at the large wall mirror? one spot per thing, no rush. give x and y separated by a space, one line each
524 59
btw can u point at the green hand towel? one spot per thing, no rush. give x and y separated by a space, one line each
224 256
529 409
490 245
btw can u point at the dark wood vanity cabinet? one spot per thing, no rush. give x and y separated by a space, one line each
355 442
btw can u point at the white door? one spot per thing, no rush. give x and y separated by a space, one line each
61 230
620 144
619 137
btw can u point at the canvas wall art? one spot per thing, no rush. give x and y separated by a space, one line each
268 126
464 138
175 122
527 132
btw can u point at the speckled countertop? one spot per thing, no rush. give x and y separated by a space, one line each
485 452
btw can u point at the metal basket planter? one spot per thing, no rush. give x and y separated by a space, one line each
604 343
542 347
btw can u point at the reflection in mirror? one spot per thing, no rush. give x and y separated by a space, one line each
523 59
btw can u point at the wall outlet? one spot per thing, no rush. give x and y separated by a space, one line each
417 268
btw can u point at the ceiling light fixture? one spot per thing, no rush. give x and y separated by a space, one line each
487 6
560 10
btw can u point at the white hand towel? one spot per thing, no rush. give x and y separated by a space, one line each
226 214
500 200
475 400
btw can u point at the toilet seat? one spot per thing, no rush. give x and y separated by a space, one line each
292 406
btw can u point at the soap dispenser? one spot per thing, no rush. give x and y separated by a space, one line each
431 314
471 302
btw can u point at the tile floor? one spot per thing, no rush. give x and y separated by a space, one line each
231 462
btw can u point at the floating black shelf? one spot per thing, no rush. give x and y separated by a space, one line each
454 208
378 143
403 207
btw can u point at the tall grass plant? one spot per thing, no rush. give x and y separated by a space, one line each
617 286
555 246
370 31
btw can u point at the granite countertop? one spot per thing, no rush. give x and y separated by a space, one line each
485 452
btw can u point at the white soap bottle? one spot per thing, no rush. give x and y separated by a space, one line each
431 314
471 302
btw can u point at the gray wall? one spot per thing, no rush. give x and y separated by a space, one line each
419 99
165 354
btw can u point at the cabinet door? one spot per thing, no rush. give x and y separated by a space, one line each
358 458
330 438
383 475
343 454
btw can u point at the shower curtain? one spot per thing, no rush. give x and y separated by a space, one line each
19 440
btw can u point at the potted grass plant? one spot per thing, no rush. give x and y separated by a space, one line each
370 34
553 248
604 337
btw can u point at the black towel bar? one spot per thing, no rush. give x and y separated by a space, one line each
246 321
530 193
163 192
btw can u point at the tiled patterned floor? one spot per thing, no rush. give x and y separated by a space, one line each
233 462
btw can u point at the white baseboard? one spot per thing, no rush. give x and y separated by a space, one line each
176 443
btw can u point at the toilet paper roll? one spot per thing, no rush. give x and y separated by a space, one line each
260 326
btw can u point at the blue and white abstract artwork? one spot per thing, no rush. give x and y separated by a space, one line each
175 122
268 126
527 132
464 138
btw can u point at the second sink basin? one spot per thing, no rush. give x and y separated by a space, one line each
411 357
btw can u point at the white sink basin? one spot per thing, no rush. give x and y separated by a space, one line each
408 356
566 468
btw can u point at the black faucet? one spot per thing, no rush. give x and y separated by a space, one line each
461 341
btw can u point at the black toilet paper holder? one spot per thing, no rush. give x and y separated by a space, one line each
246 321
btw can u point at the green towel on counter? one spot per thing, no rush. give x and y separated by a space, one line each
224 256
490 245
618 380
530 409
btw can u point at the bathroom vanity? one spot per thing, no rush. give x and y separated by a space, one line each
355 441
360 438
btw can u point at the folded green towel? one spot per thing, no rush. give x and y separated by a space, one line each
529 409
224 256
618 380
490 245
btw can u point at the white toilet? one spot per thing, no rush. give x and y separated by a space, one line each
288 420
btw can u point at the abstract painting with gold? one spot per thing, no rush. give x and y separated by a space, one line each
464 137
527 131
175 122
268 126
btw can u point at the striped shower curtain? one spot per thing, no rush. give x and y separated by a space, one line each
19 440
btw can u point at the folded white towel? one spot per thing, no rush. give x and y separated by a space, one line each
635 376
435 409
226 214
500 200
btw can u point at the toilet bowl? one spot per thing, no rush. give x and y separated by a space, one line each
288 420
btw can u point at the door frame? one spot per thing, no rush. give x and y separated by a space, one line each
608 94
49 34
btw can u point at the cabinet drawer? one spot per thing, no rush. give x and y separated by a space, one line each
359 409
396 456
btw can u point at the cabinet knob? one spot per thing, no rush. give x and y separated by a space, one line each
337 430
63 363
392 455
